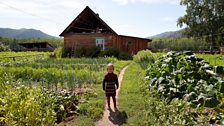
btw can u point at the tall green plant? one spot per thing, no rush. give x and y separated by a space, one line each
21 105
179 44
58 52
143 58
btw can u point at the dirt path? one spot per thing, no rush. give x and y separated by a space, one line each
112 117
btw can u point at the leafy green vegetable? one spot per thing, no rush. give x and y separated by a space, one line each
183 75
219 69
21 105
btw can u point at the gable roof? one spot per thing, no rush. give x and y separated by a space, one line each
146 39
36 44
87 21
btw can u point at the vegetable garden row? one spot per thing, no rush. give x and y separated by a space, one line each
192 82
39 90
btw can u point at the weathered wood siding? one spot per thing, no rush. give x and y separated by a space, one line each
85 40
130 44
125 43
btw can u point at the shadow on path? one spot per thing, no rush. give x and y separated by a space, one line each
117 117
114 117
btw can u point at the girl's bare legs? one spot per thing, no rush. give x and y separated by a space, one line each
114 100
108 101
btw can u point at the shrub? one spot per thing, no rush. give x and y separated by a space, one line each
58 52
3 47
102 54
115 52
96 52
66 52
15 47
93 51
143 58
81 52
124 56
110 52
21 105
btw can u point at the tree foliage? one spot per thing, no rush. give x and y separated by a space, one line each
204 18
179 44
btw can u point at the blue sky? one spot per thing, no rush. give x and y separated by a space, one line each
140 18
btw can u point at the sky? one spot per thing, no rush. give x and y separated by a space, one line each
140 18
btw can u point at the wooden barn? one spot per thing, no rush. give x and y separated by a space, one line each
37 46
88 30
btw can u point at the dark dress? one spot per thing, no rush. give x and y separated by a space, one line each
109 82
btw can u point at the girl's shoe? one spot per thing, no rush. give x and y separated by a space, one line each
109 108
115 109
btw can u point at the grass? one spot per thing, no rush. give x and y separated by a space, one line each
131 100
144 107
138 106
91 110
216 59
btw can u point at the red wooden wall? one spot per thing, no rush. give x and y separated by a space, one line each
125 43
130 44
86 40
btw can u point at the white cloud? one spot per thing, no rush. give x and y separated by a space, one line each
125 2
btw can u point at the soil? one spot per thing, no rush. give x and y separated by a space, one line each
112 117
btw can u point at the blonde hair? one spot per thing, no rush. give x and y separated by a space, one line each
110 65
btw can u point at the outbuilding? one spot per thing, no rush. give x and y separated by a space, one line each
88 30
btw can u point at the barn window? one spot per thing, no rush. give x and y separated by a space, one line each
100 42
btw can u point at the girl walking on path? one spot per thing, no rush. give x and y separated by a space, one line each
110 85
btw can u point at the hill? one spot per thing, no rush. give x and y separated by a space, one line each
170 34
23 33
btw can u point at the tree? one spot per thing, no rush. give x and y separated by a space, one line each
205 19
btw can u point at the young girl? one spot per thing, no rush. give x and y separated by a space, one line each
110 84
